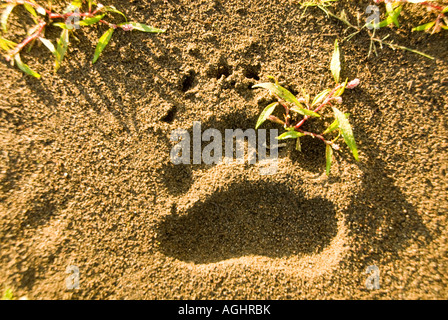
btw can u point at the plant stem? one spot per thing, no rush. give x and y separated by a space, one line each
432 5
111 25
327 100
51 14
30 38
315 135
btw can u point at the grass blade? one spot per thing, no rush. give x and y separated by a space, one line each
334 125
279 91
335 65
6 44
77 3
145 28
47 43
424 27
291 134
92 20
24 67
341 90
298 145
62 45
328 157
5 16
305 112
30 9
61 25
347 132
284 94
320 97
102 43
114 10
265 114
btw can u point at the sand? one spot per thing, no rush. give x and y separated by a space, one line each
86 177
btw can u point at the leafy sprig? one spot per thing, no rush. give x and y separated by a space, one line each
78 13
303 106
394 8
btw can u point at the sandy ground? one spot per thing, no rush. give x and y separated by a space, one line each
86 177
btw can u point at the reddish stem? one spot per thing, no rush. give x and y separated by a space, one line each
286 110
327 100
432 5
315 135
30 38
111 25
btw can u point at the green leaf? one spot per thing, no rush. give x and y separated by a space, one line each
144 27
335 65
334 125
384 23
41 11
272 78
290 135
265 114
25 68
5 16
347 132
445 10
77 3
61 25
341 90
62 45
279 91
298 145
102 43
328 157
49 45
305 112
7 295
424 27
30 9
6 44
396 14
320 97
92 20
114 10
393 13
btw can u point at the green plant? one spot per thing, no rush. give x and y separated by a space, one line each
373 40
79 13
7 294
299 110
394 8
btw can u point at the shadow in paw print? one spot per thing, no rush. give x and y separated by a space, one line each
249 218
177 178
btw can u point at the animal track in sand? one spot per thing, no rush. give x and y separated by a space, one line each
233 215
